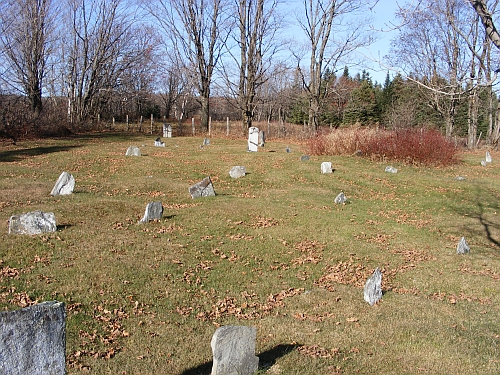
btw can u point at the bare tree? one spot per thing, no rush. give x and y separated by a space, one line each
481 8
25 32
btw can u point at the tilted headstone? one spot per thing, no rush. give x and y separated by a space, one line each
483 163
305 158
238 171
390 169
488 157
326 167
203 188
64 185
35 222
133 151
253 139
154 211
233 349
373 288
33 340
340 199
167 131
159 143
463 247
262 138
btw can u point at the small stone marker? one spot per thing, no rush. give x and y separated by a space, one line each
373 288
326 167
237 171
488 157
483 163
253 139
340 199
460 178
133 151
33 340
64 185
154 211
233 349
159 143
167 131
35 222
203 188
206 142
463 247
390 169
288 150
262 138
305 158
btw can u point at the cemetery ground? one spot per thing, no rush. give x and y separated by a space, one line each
270 250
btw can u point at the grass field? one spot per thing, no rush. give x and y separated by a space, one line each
270 250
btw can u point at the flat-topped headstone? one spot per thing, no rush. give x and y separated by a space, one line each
64 185
159 143
340 199
488 157
463 247
390 169
35 222
203 188
253 139
305 158
33 340
326 167
373 288
237 171
133 151
233 349
154 211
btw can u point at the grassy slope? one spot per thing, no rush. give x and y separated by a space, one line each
270 250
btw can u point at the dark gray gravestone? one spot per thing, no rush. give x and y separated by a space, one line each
35 222
237 171
373 288
203 188
154 211
233 349
305 158
340 199
64 185
133 151
463 247
33 340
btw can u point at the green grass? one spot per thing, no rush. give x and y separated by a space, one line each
271 250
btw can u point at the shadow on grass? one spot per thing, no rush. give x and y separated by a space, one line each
16 155
266 360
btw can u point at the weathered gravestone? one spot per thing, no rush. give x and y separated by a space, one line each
373 288
340 199
253 139
262 138
390 169
305 158
64 185
35 222
154 211
159 143
167 131
33 340
203 188
233 349
483 163
288 149
133 151
326 167
237 171
488 157
463 247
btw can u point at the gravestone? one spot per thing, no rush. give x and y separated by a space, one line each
35 222
206 142
460 178
326 167
33 340
340 199
233 349
154 211
133 151
483 163
305 158
463 247
253 139
488 157
203 188
390 169
159 143
288 150
373 288
262 138
237 171
167 131
64 185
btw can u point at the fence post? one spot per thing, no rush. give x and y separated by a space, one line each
192 125
227 126
151 132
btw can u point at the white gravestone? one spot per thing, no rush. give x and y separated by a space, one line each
463 247
64 185
35 222
167 131
488 157
133 151
373 288
326 167
253 139
154 211
238 171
